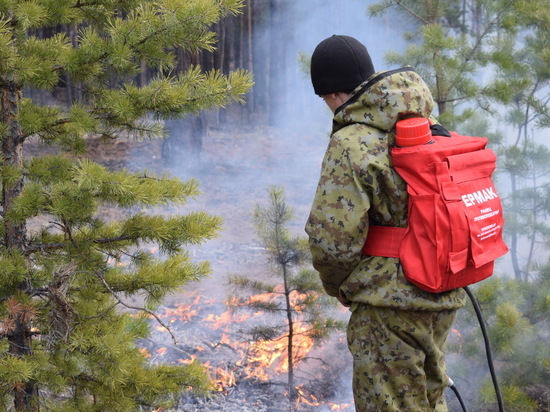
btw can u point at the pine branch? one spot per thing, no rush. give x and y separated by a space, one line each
47 127
100 315
134 47
176 348
114 239
139 308
80 4
398 3
217 345
30 249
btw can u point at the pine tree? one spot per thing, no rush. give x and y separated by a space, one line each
296 292
65 343
525 156
448 47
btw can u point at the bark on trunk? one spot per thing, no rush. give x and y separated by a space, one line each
12 155
19 338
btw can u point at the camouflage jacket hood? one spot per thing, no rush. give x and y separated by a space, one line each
384 99
358 187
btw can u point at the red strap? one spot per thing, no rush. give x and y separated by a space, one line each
384 241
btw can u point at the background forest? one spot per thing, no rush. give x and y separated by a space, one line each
115 241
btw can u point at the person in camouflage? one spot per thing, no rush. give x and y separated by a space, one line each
396 332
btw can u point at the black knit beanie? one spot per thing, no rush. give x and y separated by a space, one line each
339 64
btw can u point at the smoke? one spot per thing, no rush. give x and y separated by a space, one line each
237 169
315 21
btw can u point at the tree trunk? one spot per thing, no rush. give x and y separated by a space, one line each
183 145
514 238
477 18
290 346
12 155
26 394
249 56
76 87
19 337
277 80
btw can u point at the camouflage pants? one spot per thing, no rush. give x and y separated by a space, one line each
398 359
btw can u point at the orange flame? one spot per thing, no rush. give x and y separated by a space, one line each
338 407
224 378
306 398
256 360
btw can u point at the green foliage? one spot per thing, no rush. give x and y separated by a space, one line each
449 52
516 399
517 317
68 318
12 271
105 364
114 40
525 159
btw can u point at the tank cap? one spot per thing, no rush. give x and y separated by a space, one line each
413 131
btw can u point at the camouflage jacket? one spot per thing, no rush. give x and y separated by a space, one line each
359 187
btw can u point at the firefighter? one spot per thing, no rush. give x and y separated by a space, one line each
396 332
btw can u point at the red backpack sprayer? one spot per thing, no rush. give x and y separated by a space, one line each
455 221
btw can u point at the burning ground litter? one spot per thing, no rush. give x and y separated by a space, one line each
248 374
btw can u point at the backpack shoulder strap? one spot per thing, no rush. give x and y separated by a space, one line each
438 130
384 241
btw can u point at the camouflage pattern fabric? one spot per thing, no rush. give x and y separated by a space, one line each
398 358
396 332
358 187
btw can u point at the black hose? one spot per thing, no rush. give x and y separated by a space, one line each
455 390
487 348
